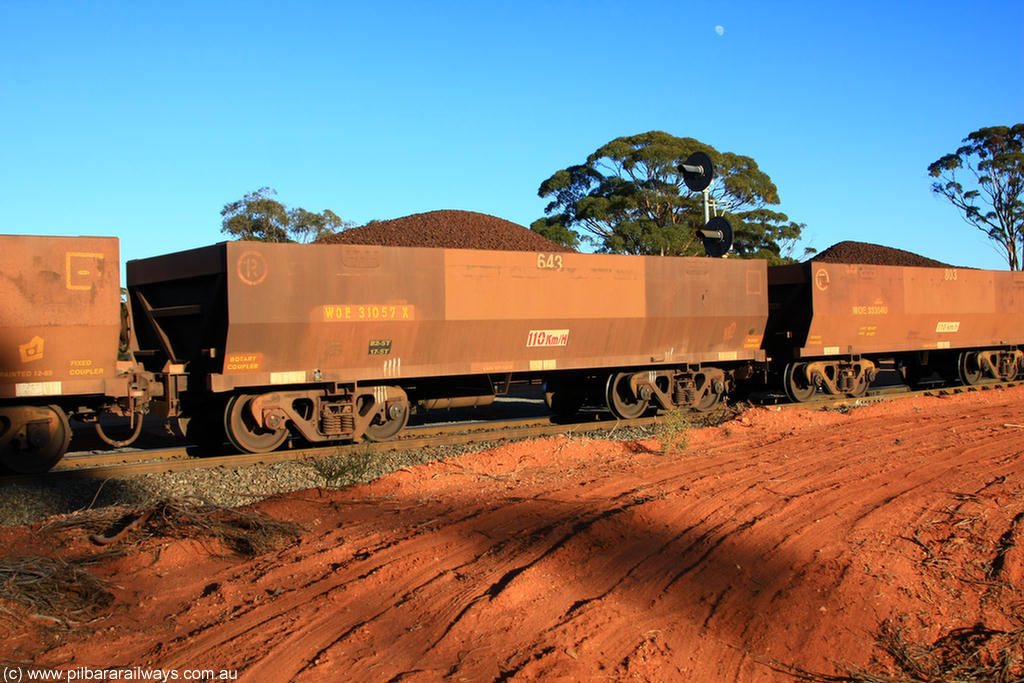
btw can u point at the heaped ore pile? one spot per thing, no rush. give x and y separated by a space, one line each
449 229
875 255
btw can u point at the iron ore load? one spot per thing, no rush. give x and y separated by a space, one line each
256 343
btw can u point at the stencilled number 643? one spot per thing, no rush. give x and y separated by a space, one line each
549 261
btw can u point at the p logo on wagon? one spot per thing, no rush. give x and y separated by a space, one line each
252 267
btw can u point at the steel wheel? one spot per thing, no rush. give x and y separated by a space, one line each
1008 369
382 429
33 438
797 387
709 400
969 371
860 388
621 400
243 431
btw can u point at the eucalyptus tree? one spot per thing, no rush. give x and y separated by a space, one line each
630 197
984 179
260 217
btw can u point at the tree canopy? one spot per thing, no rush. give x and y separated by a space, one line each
630 197
984 179
260 217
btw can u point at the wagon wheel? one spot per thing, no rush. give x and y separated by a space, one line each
861 384
383 428
33 438
969 371
797 387
1008 368
621 400
710 399
243 431
860 387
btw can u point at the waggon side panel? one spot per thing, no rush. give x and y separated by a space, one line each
864 309
295 309
300 313
60 317
706 310
1010 306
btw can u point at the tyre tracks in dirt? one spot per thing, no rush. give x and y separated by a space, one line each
779 540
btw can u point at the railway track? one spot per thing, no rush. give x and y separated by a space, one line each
182 457
122 463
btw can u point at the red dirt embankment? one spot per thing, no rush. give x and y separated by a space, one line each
782 539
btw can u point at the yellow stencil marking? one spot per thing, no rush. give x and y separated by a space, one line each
31 351
382 312
82 270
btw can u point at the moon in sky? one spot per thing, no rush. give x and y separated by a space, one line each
719 29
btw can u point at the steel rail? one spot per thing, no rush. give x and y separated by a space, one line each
159 461
124 463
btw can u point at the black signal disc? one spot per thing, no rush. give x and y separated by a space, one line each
715 246
699 180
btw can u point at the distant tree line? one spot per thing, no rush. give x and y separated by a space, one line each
260 217
629 197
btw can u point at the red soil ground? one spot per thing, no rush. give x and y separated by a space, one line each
782 539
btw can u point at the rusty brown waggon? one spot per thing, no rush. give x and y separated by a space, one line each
60 333
341 341
831 324
258 342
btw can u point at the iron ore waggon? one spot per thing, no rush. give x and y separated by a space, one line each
258 342
831 324
338 342
62 345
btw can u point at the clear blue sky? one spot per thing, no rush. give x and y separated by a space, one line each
142 119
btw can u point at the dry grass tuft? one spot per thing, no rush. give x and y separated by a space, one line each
977 654
342 470
965 655
52 589
244 533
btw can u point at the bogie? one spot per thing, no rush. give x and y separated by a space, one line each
33 438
